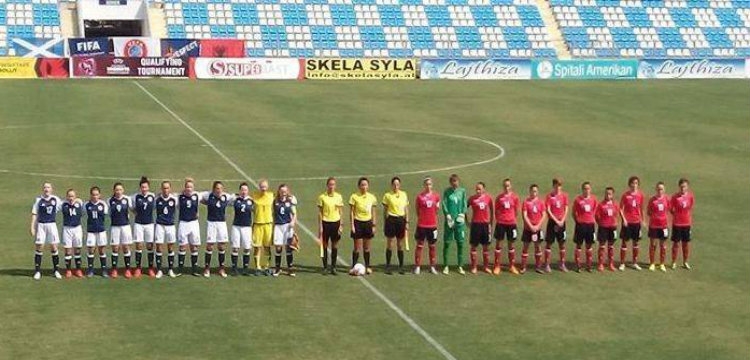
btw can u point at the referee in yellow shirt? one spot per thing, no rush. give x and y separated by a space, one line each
330 205
262 226
396 214
363 222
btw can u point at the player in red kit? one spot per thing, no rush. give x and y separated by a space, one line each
557 210
427 205
631 211
584 209
607 212
534 214
657 210
507 204
681 207
481 226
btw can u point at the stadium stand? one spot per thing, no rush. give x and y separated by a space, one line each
396 28
27 19
435 28
671 28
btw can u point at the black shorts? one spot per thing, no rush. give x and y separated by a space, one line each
395 227
331 231
606 234
528 234
681 233
480 234
661 234
506 232
584 233
555 233
429 234
362 230
630 232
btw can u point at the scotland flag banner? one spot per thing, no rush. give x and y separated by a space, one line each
39 48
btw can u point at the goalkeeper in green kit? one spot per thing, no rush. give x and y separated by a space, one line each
454 205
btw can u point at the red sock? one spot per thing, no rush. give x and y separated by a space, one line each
498 254
651 253
547 255
636 250
563 253
418 254
524 258
623 252
675 251
685 251
589 256
577 256
485 256
611 254
473 257
512 256
433 254
662 252
602 250
537 256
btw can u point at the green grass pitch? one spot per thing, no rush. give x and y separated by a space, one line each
76 131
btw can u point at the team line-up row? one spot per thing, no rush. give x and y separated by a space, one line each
264 220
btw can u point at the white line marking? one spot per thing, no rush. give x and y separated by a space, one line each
364 281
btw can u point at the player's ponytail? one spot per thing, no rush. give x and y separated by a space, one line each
144 180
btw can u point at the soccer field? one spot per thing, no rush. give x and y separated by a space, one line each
83 133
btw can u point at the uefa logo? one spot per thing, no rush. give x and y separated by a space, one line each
544 69
135 48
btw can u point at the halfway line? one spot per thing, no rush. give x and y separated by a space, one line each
413 324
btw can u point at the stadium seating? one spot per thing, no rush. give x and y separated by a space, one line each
671 28
396 28
27 19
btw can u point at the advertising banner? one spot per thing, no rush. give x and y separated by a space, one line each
360 69
17 68
41 48
136 47
180 48
222 48
108 66
88 46
692 69
480 69
52 68
584 69
247 68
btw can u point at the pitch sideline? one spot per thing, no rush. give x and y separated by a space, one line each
406 318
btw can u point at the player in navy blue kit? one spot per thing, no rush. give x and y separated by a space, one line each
96 234
143 227
242 236
121 235
44 229
189 232
166 207
72 210
284 220
216 202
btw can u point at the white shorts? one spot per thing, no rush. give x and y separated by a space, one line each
47 233
96 239
121 235
242 235
165 233
282 233
72 237
144 232
189 232
216 231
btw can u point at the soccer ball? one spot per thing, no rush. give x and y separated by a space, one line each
358 270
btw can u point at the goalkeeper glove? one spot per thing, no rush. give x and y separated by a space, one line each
449 221
461 218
